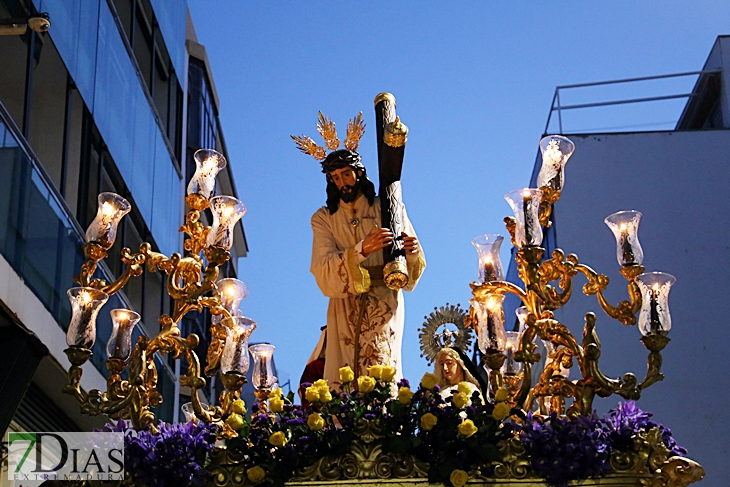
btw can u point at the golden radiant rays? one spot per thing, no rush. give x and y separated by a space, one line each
327 129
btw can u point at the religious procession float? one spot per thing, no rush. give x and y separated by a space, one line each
524 423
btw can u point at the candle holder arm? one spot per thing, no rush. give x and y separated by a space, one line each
480 291
625 311
550 196
557 268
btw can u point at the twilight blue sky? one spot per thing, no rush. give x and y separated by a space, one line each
473 82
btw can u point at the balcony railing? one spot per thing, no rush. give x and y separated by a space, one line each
558 107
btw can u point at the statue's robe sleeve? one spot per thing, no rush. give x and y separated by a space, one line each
416 262
337 270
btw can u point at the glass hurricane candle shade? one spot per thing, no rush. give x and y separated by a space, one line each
625 227
490 264
490 324
120 342
232 292
263 376
522 313
525 204
189 411
207 165
235 350
85 305
103 230
654 317
227 210
550 349
556 151
512 344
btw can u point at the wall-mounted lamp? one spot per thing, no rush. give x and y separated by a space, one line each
13 27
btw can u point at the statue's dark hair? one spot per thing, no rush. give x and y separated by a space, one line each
333 193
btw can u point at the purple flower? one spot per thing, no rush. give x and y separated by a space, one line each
626 420
404 383
294 422
174 455
563 449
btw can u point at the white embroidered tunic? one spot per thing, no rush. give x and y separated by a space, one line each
341 274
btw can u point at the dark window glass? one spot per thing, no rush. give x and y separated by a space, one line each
48 108
89 174
153 293
74 136
142 45
125 11
14 53
135 287
37 237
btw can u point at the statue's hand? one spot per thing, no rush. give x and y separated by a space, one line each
377 239
410 244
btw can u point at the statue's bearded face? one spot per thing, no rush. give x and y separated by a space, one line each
347 182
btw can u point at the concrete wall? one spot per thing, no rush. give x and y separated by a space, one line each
681 183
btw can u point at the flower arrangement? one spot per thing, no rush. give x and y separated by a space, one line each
457 435
177 454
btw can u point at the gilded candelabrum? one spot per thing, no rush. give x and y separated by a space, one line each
191 282
548 285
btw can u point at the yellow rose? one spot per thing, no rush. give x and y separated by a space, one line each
467 428
256 474
501 395
315 422
278 438
321 384
501 411
429 381
428 421
375 371
276 404
388 373
458 478
235 421
465 388
326 397
365 383
311 394
460 400
346 374
239 406
276 392
404 395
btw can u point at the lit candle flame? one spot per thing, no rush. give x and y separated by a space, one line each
107 209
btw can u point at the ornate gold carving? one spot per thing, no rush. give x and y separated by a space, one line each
541 297
395 274
364 459
514 462
188 280
395 134
550 196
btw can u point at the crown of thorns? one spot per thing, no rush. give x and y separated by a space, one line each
328 131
